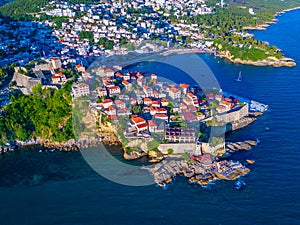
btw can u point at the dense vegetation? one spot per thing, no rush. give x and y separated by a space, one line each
6 73
269 7
47 113
226 27
21 9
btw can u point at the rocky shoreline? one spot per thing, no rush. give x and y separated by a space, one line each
203 169
232 147
274 20
133 155
196 172
270 61
242 123
70 145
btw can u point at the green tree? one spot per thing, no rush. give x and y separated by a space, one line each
170 151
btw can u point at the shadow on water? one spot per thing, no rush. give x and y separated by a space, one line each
36 165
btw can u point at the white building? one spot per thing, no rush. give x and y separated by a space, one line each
79 90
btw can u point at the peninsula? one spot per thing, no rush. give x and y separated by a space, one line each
140 111
174 125
48 46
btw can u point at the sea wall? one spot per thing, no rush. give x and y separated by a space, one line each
178 148
235 115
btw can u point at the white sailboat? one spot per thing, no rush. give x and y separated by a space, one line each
239 78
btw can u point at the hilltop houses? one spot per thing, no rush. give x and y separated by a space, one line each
137 124
79 90
59 78
56 63
174 93
156 108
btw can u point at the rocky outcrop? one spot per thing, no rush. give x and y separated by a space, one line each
269 61
240 146
133 155
242 123
196 172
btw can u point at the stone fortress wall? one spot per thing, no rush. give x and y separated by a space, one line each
235 115
26 83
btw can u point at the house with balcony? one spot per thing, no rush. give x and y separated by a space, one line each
123 112
120 104
111 112
101 92
180 135
114 90
174 93
79 90
106 103
138 124
58 78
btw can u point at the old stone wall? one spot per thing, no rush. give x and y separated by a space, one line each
26 82
177 148
235 115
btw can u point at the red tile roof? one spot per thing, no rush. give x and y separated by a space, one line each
184 86
137 119
189 116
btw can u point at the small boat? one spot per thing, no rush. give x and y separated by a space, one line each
239 78
249 161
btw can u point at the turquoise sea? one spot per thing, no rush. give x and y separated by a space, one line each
60 188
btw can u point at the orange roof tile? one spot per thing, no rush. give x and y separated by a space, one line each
184 86
137 119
